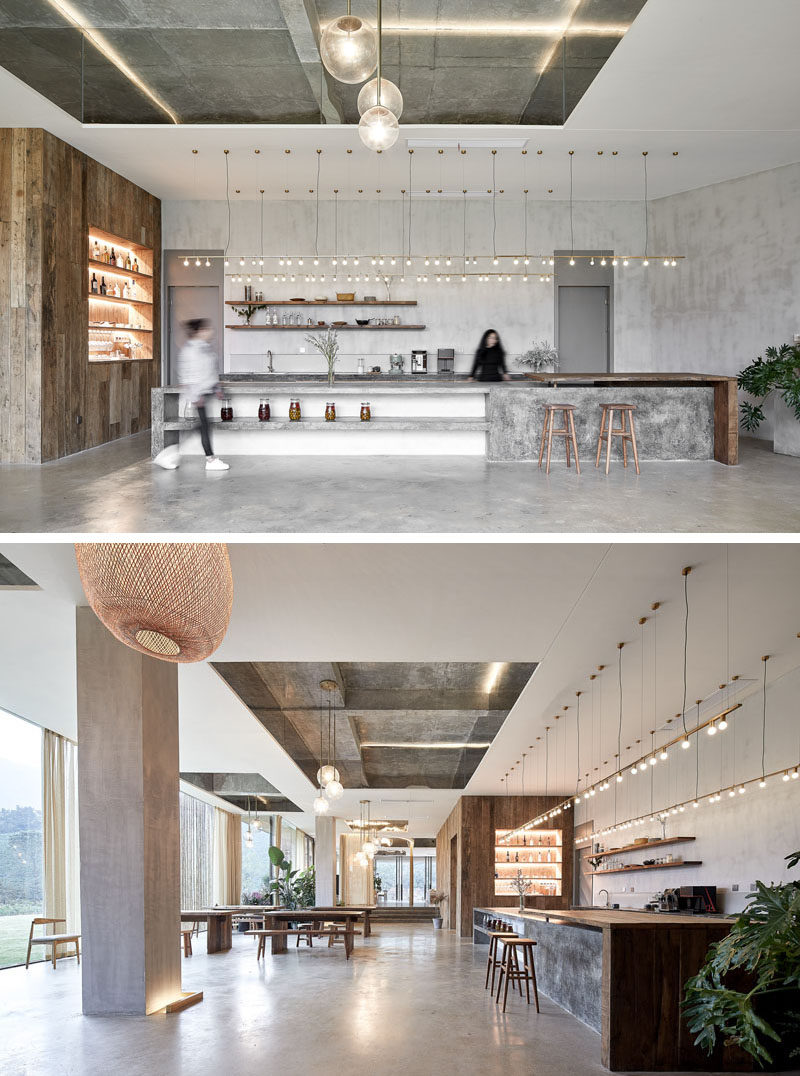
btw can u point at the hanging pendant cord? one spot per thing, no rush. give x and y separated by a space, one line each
410 198
494 205
646 213
571 222
764 718
228 202
685 645
578 749
316 224
380 53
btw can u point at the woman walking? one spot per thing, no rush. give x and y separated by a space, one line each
197 373
490 359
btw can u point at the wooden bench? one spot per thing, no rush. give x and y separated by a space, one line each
313 931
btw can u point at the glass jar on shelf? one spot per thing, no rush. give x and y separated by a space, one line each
366 413
226 410
294 411
330 412
263 410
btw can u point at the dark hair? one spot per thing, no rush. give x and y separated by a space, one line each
195 325
482 346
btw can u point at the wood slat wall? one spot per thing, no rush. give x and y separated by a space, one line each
50 194
473 822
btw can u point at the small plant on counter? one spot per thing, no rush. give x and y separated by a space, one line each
779 372
541 356
522 886
763 946
245 312
328 345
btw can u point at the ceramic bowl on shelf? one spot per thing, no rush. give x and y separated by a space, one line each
362 321
297 299
338 324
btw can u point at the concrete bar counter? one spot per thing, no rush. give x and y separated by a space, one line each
622 973
678 416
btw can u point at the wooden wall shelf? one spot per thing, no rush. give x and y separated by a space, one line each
114 270
640 847
117 299
317 302
124 343
651 866
318 328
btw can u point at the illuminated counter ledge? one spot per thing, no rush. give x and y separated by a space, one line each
622 973
677 417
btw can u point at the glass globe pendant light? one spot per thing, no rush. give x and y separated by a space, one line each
326 774
378 128
334 789
368 848
348 48
321 804
391 98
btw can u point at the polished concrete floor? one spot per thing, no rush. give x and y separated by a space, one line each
410 1000
116 489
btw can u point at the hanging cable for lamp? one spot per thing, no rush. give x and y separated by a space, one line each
578 745
228 203
494 208
765 659
571 222
686 572
410 200
646 213
316 221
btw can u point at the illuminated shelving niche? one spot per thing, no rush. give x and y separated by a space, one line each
538 854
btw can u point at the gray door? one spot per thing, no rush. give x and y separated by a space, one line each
582 330
187 302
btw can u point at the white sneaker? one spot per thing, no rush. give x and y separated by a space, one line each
213 463
168 458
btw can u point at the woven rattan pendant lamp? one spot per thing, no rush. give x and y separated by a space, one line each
170 600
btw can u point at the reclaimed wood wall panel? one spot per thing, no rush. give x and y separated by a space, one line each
21 153
474 821
53 400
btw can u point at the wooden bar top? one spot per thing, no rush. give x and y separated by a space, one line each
608 918
554 378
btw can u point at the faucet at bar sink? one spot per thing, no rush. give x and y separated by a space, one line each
608 897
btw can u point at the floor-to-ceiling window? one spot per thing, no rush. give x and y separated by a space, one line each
424 877
21 896
256 867
197 849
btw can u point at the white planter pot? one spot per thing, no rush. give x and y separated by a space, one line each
787 430
437 923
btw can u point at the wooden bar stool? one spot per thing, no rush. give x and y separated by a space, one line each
186 937
511 971
566 430
626 431
494 960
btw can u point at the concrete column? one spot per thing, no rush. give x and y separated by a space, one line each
128 782
325 859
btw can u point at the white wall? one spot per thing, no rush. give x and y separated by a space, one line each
455 314
739 289
741 838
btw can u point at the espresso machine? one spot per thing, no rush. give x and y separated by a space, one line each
396 364
419 362
445 361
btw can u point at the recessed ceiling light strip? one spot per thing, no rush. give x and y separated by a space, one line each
100 43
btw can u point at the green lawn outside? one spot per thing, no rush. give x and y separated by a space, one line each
14 931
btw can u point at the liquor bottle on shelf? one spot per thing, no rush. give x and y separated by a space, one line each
135 268
96 251
120 260
125 294
132 290
103 287
104 254
128 262
94 287
516 857
112 260
508 856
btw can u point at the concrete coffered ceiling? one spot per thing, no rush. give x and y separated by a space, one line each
257 61
394 724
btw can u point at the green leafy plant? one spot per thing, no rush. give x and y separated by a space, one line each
294 889
328 345
763 946
541 356
779 372
245 312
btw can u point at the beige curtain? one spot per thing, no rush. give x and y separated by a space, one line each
61 862
227 857
356 882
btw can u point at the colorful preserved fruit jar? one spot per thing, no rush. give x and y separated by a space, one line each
366 414
226 411
263 411
330 412
294 411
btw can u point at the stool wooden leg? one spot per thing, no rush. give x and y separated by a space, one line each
517 975
78 950
533 978
549 442
574 441
544 435
565 425
608 443
492 947
633 444
624 439
600 438
501 973
526 968
507 966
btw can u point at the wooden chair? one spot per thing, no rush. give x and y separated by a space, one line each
566 430
626 432
186 938
54 940
305 932
511 972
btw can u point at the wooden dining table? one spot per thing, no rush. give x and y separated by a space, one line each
219 935
283 918
365 908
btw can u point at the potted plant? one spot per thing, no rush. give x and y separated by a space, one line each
328 346
437 897
294 889
245 312
762 951
378 883
779 372
541 356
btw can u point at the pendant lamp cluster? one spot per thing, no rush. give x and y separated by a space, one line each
330 787
367 850
351 51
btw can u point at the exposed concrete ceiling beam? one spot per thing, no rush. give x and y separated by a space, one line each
302 21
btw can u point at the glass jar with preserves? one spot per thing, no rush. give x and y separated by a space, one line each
226 411
263 411
294 411
366 414
330 412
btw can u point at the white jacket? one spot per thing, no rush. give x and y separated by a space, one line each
198 371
